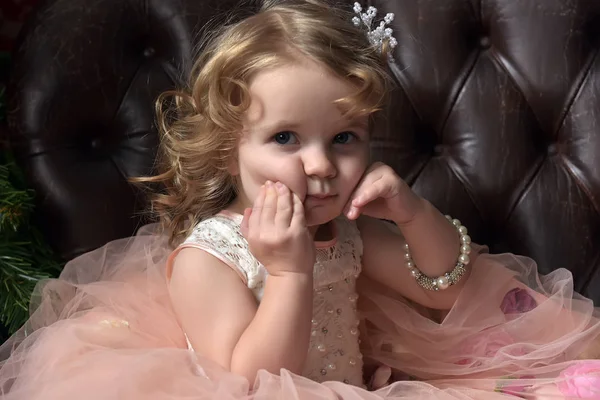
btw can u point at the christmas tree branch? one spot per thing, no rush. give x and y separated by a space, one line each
24 257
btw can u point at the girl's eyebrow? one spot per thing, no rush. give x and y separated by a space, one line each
279 126
358 123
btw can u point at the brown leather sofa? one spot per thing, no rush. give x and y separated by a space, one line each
496 118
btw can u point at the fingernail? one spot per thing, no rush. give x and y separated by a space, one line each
268 183
280 188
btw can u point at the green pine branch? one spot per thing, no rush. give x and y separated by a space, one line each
25 259
22 264
15 205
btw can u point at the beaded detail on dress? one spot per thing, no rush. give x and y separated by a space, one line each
334 353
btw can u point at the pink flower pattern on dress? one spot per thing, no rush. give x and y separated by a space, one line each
581 380
485 345
517 301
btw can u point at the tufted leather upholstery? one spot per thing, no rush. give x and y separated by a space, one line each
81 109
496 119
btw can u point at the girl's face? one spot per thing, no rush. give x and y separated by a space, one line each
295 134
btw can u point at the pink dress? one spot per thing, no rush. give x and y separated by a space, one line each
106 330
334 352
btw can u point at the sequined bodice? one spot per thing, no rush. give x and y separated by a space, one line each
334 346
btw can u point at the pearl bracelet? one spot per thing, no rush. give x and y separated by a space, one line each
449 278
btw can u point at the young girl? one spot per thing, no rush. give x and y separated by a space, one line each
276 221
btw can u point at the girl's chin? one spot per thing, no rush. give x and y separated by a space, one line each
321 216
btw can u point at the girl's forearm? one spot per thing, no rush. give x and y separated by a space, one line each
279 335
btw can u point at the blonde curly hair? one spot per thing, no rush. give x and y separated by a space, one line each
199 125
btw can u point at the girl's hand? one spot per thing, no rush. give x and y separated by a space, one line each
276 231
381 378
382 194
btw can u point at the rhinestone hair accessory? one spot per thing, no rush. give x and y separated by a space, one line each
379 35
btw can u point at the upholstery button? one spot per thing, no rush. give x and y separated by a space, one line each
102 145
96 144
149 52
485 42
438 149
552 149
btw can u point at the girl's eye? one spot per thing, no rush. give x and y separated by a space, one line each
344 138
285 138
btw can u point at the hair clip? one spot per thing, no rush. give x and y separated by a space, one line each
381 33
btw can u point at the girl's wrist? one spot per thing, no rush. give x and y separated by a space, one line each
419 207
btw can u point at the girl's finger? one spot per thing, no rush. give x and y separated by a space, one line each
369 193
381 377
365 182
298 218
255 215
270 205
364 196
285 206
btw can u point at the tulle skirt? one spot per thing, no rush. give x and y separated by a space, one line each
106 330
